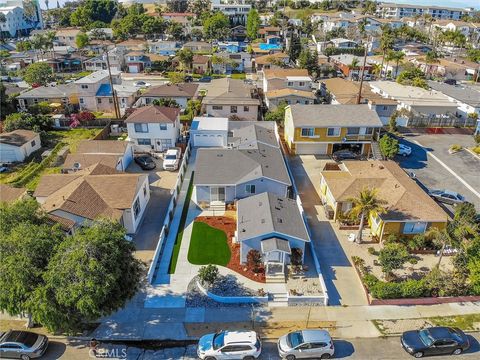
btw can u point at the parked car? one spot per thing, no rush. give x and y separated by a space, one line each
434 341
146 162
171 159
3 168
450 82
188 78
447 197
225 344
404 150
141 84
205 79
23 345
344 155
306 344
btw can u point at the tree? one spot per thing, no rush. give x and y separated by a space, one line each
7 102
23 45
392 122
175 30
366 205
153 26
208 274
473 55
166 102
412 76
38 73
278 114
179 6
216 26
254 259
430 58
397 57
185 56
295 47
199 7
90 275
27 121
94 10
308 60
386 42
388 146
176 77
369 7
392 257
253 24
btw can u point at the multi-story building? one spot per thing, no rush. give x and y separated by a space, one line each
20 17
236 10
398 11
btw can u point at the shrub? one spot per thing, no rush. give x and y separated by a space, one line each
413 261
413 289
370 281
254 259
419 241
476 150
296 258
208 274
386 290
372 251
455 147
392 257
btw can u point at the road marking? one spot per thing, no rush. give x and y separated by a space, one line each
467 185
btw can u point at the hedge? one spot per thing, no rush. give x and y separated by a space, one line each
395 290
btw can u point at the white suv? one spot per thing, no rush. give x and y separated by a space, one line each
243 345
171 159
404 150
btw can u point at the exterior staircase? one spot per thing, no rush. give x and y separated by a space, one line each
279 299
217 206
376 153
275 278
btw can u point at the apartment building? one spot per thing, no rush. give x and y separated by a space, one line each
398 11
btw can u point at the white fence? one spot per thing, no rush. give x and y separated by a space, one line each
169 216
233 299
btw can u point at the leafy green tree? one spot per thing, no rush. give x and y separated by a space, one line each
94 10
19 212
295 47
176 77
367 204
7 102
166 102
473 55
278 114
208 274
185 56
388 146
413 76
92 274
253 24
153 26
198 7
175 30
27 121
308 60
23 45
392 257
38 73
82 40
216 26
392 122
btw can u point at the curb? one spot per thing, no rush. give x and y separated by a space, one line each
473 153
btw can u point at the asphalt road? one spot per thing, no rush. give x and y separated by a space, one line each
435 168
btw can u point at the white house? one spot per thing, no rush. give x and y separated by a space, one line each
181 93
17 145
209 132
17 21
154 127
88 86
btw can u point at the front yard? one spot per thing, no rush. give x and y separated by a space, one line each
208 246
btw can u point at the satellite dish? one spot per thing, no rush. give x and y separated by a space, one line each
77 166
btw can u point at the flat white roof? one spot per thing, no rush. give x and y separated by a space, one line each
210 123
299 78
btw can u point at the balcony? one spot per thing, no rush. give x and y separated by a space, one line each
356 137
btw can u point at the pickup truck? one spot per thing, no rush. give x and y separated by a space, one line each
171 159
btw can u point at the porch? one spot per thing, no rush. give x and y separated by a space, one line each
276 253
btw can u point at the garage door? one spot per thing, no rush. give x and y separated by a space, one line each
208 140
311 149
133 69
7 156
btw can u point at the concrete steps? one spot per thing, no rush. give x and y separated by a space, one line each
376 153
279 299
216 206
277 278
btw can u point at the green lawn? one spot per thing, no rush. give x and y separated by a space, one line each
465 322
73 137
240 76
181 226
208 246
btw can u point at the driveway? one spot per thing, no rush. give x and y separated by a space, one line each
435 168
341 280
161 186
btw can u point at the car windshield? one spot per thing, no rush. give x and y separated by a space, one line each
425 337
27 338
294 339
170 157
218 340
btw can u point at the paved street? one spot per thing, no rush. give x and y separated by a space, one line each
435 168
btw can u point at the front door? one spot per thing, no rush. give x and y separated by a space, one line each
217 194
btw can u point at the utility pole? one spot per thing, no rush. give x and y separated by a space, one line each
114 94
359 97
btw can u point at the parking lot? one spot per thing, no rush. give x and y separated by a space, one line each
435 168
161 185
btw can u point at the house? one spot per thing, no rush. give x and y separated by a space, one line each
228 97
126 96
236 10
17 145
181 93
226 63
65 94
410 211
201 64
429 103
209 132
272 225
277 79
112 153
325 129
269 30
136 61
271 61
457 69
398 11
232 47
350 65
132 45
198 46
468 29
10 194
67 36
18 21
154 128
77 199
289 96
238 33
253 163
163 47
185 19
345 92
89 86
342 43
116 58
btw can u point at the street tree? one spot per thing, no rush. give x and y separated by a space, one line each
388 146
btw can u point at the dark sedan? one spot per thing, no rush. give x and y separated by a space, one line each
145 162
344 155
23 345
435 341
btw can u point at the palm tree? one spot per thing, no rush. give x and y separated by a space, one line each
185 57
353 65
386 43
38 44
396 56
367 204
430 57
376 70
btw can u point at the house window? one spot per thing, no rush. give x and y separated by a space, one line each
136 208
369 131
32 143
81 101
144 141
84 86
217 107
141 128
233 109
414 227
163 126
246 109
290 83
250 189
301 83
353 131
333 131
308 132
99 101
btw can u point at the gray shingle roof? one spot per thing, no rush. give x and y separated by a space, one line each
246 134
460 93
274 243
334 115
267 213
46 92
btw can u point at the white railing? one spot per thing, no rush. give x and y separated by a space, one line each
169 216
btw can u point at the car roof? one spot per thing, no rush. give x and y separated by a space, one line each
440 332
450 192
240 337
315 335
17 336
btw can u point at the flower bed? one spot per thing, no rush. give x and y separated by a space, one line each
229 225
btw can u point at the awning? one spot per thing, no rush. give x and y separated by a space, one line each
275 244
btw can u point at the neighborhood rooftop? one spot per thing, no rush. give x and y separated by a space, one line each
17 137
153 114
460 93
